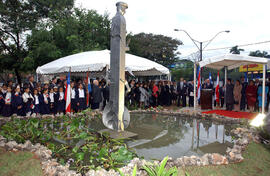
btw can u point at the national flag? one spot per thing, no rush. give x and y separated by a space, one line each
217 90
68 95
210 77
199 83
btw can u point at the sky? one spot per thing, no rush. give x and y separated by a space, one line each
247 20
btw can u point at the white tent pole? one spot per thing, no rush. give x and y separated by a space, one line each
263 89
194 84
225 83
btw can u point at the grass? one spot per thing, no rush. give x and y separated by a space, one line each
256 163
19 164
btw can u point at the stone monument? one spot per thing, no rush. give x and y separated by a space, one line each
116 115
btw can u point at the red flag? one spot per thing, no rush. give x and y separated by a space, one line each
217 90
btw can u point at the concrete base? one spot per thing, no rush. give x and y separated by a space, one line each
119 135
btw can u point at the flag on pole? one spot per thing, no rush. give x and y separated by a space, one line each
210 77
217 90
68 95
89 89
199 83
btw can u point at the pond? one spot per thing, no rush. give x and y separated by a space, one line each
159 136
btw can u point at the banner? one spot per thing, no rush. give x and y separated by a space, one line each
251 68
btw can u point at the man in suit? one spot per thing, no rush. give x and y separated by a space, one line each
32 84
182 92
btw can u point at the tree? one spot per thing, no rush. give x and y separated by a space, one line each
236 50
82 30
158 48
17 18
258 53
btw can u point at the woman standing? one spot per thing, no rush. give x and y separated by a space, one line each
251 93
7 109
28 101
17 102
45 102
82 98
96 97
237 95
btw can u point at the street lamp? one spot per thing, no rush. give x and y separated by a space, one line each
201 48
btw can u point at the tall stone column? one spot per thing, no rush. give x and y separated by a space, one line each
113 115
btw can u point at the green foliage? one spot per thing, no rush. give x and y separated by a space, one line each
89 149
236 50
82 30
258 53
18 18
158 48
160 170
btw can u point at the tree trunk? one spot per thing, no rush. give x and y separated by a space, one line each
18 76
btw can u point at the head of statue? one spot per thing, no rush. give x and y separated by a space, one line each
121 7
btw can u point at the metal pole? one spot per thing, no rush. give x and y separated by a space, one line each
195 85
200 51
263 89
225 84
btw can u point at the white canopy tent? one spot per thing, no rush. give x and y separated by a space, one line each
231 61
96 61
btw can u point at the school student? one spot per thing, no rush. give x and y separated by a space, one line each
82 99
17 102
37 100
2 100
61 103
7 109
74 98
53 101
45 102
28 100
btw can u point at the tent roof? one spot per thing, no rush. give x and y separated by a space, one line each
96 61
231 61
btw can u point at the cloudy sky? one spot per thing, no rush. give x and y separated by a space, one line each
248 21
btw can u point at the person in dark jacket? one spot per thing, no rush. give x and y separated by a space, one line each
45 102
7 109
37 100
106 93
229 95
96 95
182 92
243 101
191 94
17 102
61 103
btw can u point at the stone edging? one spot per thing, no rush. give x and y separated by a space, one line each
50 166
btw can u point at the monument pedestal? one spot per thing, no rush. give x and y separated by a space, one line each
119 134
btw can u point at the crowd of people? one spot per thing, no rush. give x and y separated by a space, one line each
34 99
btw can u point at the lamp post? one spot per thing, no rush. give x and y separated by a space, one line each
200 48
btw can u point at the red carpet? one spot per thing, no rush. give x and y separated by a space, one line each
232 114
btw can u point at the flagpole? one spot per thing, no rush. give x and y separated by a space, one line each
194 84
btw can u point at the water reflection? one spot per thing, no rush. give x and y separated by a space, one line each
159 136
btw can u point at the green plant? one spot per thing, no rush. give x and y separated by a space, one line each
160 170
